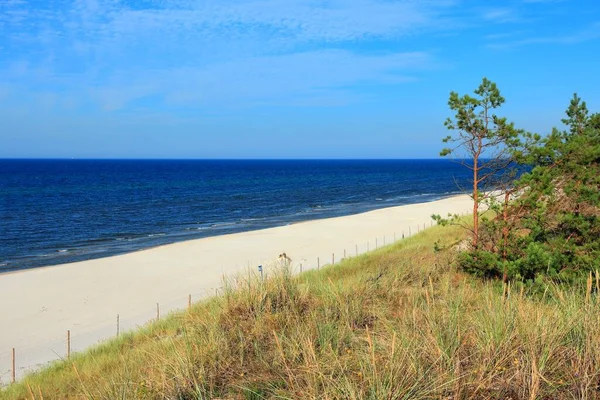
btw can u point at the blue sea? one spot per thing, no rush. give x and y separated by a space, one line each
59 211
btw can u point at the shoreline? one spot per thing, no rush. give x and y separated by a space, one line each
178 238
41 304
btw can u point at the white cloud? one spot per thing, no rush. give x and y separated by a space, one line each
102 22
543 1
501 15
301 19
591 32
322 76
195 52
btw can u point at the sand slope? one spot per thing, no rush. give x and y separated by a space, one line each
38 306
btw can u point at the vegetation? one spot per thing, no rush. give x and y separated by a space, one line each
484 143
398 323
551 229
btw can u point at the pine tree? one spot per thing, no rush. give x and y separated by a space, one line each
483 142
555 220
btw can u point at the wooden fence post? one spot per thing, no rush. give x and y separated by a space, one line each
157 312
332 258
318 263
118 327
189 301
14 374
68 344
356 248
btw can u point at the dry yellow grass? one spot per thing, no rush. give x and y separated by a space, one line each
398 323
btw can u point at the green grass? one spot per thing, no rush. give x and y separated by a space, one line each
397 323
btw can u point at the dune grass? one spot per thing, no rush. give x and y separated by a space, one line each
397 323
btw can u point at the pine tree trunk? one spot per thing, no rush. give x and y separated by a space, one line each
475 202
505 234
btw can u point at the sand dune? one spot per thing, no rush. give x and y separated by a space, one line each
38 306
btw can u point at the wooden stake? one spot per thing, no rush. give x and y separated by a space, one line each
189 301
157 312
332 258
344 253
409 232
14 374
68 344
375 242
356 247
118 328
318 263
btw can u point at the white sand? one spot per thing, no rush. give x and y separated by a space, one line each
38 306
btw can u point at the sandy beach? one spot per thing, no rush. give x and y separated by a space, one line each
38 306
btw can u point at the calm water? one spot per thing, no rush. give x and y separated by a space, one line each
57 211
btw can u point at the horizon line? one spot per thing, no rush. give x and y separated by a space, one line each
208 159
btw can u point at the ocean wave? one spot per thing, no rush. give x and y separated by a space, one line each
223 224
98 240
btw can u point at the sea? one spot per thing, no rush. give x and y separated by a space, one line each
62 211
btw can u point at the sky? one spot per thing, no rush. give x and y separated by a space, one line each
280 78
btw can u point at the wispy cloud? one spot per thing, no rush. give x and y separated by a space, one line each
197 51
98 23
501 15
113 54
272 79
543 1
591 32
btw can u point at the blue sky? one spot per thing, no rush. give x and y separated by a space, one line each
279 78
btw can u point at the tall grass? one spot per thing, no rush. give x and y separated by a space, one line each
398 323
